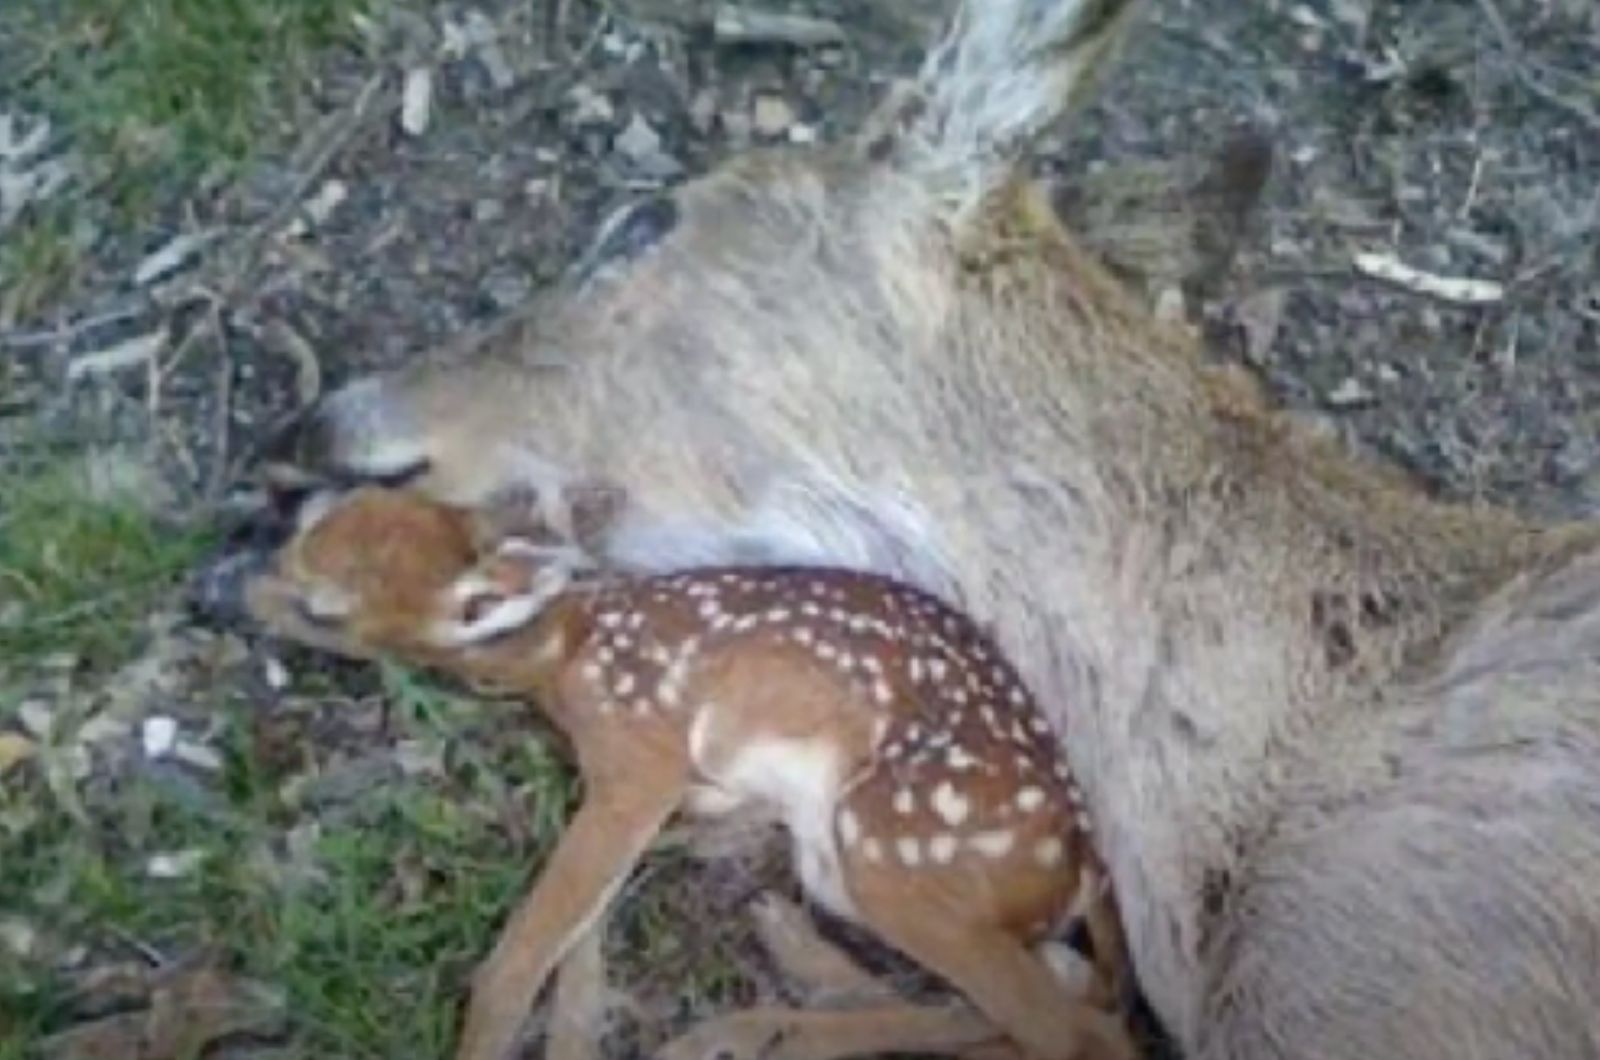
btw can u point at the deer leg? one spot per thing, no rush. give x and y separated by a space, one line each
824 972
829 976
578 1010
606 838
1112 982
1006 981
780 1033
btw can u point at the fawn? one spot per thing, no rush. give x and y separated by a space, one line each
925 793
1338 738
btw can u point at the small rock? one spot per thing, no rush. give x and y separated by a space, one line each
488 211
590 107
416 101
1349 394
174 865
638 140
800 133
771 115
641 146
328 198
158 735
507 288
275 674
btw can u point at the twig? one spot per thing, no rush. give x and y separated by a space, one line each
1456 289
1523 67
224 411
343 128
24 340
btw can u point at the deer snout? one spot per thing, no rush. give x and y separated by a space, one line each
359 434
216 589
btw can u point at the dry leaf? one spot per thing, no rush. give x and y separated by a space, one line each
15 749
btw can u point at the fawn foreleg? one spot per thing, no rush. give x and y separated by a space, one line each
618 821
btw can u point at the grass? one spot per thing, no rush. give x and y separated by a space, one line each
80 568
371 953
153 94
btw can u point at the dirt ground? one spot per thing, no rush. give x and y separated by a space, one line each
1458 137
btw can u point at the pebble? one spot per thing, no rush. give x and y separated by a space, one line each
275 674
416 103
174 865
158 735
1349 394
771 115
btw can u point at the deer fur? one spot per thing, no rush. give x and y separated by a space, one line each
1340 736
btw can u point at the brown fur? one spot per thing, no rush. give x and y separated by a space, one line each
881 726
1341 736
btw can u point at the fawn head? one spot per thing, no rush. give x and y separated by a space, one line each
388 571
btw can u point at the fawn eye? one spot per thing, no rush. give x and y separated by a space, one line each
474 608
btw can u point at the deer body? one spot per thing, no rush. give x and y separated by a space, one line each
925 794
1295 684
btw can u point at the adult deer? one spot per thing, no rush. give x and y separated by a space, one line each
1340 739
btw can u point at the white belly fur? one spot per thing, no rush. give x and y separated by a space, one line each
799 779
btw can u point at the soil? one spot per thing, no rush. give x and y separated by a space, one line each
1411 128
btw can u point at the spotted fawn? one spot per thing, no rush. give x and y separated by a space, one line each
925 794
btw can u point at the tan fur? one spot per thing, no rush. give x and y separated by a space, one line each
1342 737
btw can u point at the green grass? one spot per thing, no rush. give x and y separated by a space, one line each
368 968
174 83
152 94
79 571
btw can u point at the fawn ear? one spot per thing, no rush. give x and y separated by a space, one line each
593 507
508 590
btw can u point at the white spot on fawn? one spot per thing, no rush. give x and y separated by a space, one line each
872 849
1030 799
942 848
909 849
849 827
1048 851
993 844
904 801
951 806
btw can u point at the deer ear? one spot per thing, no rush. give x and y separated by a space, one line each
594 506
509 512
508 591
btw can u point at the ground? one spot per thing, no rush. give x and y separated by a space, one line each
210 211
